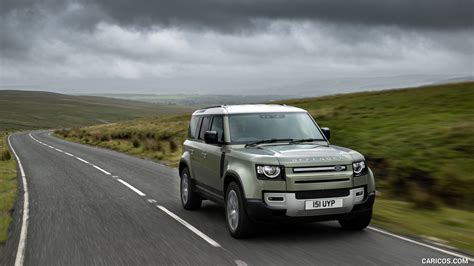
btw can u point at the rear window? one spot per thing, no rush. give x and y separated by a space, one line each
192 127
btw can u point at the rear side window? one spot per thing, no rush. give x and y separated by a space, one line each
206 124
192 127
218 126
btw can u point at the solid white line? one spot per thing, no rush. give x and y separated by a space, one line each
68 154
132 188
20 252
82 160
420 243
102 170
190 227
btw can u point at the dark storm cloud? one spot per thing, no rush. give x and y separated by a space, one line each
237 15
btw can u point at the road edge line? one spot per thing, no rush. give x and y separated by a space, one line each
209 240
420 243
20 252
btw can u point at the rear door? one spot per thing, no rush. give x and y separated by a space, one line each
191 144
199 156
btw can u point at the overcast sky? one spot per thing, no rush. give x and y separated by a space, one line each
228 46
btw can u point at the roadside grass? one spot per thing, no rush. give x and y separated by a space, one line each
445 226
150 138
8 187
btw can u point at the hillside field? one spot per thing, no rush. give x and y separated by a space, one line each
27 110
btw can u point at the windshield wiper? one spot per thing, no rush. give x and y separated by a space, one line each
267 141
305 140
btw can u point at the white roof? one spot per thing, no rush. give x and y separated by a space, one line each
248 108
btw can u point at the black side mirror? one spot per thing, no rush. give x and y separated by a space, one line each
210 137
326 132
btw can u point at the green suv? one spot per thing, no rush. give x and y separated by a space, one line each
272 162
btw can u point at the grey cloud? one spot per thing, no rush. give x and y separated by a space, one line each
248 42
239 15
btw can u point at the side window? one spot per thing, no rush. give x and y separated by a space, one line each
192 127
206 123
218 126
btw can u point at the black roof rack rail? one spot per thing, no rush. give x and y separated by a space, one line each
213 106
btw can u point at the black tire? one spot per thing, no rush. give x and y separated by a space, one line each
357 222
244 227
189 198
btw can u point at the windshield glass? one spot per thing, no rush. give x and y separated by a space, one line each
248 128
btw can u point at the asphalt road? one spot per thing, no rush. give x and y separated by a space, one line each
91 206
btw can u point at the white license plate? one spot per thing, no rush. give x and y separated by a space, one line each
323 204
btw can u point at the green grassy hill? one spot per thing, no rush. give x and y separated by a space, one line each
419 140
24 110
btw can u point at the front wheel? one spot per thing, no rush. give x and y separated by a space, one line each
238 222
357 222
190 199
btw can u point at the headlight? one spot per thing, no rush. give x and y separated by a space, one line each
268 171
359 168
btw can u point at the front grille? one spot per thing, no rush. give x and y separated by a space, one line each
318 169
321 181
323 193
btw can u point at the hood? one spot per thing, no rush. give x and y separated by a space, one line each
307 155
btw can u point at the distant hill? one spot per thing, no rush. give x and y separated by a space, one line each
24 110
197 99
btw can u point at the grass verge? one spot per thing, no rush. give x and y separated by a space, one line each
8 187
445 226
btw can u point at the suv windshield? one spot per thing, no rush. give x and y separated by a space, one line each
249 128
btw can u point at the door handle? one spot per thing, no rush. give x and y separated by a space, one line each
204 155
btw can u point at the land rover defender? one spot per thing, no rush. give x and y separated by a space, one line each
272 162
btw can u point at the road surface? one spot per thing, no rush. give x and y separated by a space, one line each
91 206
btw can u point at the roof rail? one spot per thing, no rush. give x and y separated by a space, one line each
213 106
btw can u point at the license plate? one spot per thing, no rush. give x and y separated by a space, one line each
323 204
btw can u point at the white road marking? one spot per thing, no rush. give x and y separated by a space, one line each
20 252
421 244
132 188
102 170
152 201
82 160
190 227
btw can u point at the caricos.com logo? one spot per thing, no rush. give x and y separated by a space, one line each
444 260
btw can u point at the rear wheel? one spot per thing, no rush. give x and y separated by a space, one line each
357 222
238 222
190 199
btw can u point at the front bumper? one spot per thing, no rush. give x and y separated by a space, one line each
293 208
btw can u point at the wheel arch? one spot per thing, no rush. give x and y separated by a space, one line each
183 164
230 176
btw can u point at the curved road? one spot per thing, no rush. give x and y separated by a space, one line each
91 206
